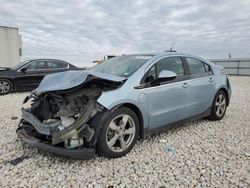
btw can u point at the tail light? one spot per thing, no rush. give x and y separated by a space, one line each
223 71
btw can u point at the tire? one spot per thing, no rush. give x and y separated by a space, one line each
219 106
6 86
118 134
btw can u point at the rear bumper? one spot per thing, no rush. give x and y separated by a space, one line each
229 90
83 154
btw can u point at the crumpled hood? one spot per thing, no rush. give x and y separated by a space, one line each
70 79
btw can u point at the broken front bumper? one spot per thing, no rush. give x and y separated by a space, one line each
57 136
83 153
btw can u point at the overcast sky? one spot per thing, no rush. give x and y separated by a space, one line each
81 31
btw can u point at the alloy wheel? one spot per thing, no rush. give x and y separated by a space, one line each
220 105
4 87
120 133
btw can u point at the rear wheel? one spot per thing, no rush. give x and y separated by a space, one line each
219 106
118 134
6 86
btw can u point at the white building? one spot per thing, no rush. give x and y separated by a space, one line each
10 46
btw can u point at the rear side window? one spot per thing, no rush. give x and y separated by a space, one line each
172 64
56 65
196 66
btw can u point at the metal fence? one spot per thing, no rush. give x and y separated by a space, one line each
234 66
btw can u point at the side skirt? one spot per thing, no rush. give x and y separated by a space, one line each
148 131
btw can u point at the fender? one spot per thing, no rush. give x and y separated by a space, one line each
99 120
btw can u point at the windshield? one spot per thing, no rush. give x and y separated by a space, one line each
122 66
20 64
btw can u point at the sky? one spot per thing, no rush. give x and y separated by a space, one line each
80 31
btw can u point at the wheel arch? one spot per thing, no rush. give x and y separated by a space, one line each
138 114
98 120
226 92
11 80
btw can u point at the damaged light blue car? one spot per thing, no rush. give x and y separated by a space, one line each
106 109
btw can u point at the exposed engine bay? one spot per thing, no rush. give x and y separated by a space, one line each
61 117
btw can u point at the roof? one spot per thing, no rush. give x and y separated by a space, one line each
167 53
154 53
8 27
44 59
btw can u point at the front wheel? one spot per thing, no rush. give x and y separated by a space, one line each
6 86
219 106
118 134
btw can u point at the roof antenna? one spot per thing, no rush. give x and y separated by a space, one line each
171 49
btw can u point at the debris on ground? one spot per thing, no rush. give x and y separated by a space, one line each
163 141
18 160
14 118
169 150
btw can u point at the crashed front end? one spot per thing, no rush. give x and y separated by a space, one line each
58 121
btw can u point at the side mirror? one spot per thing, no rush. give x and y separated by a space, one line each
166 75
23 70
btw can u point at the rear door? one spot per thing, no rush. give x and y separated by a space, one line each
167 101
202 85
55 66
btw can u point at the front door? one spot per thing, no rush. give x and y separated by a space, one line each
167 101
32 76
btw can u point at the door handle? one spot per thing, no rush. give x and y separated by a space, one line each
211 79
184 85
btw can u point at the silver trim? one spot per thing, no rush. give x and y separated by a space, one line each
153 87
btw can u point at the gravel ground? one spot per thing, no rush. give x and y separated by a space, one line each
197 154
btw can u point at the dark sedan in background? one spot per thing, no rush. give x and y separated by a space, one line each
28 74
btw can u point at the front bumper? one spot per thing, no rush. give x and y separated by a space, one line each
83 153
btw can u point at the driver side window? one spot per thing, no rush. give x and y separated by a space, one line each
170 63
151 75
36 65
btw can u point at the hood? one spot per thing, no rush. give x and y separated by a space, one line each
4 68
70 79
